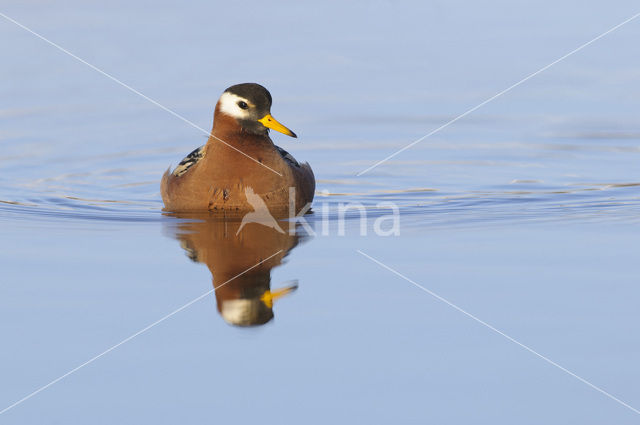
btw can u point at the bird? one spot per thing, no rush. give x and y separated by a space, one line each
239 155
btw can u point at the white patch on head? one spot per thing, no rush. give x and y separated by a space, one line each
229 105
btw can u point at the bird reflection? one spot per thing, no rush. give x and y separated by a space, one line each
240 257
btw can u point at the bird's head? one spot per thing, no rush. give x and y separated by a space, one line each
250 105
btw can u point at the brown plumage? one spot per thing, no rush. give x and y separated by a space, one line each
238 156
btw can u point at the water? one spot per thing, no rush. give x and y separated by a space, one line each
525 214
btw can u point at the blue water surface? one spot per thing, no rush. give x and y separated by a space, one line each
509 296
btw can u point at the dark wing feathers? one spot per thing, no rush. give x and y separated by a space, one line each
189 161
287 156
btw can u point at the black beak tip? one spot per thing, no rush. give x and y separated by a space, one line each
294 135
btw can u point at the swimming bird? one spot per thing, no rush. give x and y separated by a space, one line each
239 155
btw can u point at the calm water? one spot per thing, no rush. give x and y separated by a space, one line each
525 214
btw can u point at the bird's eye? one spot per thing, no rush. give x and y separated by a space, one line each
243 105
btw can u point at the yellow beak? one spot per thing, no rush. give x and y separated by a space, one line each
270 122
270 296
